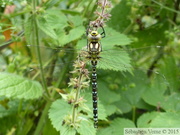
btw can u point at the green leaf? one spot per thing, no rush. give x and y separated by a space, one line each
135 87
111 109
115 59
109 98
119 19
86 128
131 90
105 131
47 22
59 109
46 28
68 131
157 97
161 96
57 113
74 34
145 119
159 120
76 20
54 15
171 75
172 120
171 103
114 38
157 89
14 86
56 30
117 127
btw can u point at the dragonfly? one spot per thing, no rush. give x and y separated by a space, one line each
94 49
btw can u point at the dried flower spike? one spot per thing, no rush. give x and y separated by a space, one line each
78 83
103 16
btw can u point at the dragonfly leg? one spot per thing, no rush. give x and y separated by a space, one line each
103 33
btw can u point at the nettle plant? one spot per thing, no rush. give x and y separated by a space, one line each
45 74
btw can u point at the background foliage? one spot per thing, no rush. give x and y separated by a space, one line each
138 87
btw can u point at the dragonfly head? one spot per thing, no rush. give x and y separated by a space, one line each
94 33
94 36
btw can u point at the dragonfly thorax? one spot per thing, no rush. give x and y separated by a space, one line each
94 47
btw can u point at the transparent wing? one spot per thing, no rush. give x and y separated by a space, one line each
117 59
123 59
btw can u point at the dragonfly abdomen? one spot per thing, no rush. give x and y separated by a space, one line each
94 93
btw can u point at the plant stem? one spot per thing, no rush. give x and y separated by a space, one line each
133 113
76 99
36 43
42 119
176 7
103 7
